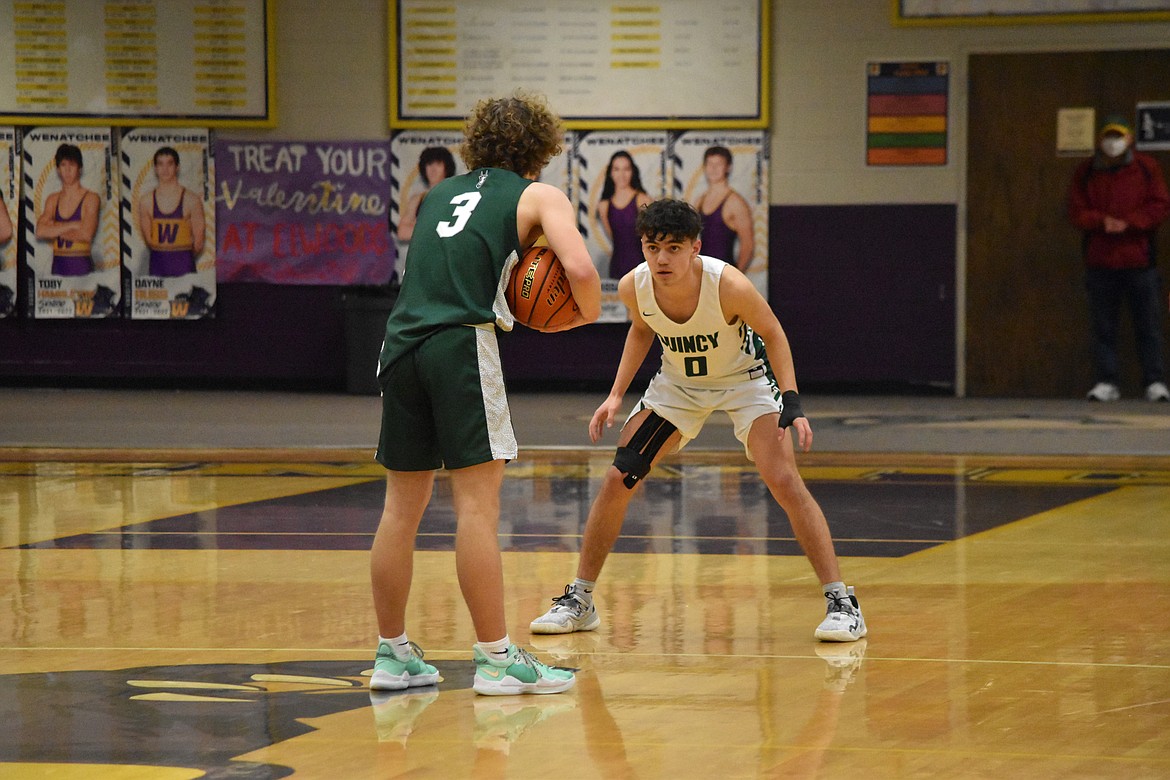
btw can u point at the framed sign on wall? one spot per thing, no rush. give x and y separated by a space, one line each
600 66
936 12
137 62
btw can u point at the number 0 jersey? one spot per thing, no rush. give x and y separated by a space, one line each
704 351
463 248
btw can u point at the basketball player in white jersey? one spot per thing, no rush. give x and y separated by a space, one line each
713 326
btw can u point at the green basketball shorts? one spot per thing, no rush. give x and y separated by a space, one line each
444 404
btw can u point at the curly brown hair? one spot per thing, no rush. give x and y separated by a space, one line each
518 133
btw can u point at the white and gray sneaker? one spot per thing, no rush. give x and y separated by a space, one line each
843 621
1157 391
570 612
1104 391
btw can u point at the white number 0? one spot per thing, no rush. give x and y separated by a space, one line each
464 205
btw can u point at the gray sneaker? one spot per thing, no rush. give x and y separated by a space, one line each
570 612
843 621
1158 392
1104 391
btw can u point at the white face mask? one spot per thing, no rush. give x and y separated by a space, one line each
1114 145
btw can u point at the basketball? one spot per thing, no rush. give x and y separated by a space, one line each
538 291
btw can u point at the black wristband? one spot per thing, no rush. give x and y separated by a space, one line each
789 408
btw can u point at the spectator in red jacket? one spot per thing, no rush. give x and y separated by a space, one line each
1118 198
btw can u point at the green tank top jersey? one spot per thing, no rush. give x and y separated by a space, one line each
462 251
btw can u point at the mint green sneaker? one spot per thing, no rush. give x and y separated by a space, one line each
390 674
517 672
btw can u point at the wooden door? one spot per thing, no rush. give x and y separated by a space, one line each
1027 315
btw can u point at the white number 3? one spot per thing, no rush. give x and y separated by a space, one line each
464 205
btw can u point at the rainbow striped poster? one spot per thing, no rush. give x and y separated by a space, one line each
906 113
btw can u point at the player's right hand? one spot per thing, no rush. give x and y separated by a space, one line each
604 415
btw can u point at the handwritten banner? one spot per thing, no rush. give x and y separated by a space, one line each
303 212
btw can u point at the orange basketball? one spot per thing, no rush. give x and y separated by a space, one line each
538 292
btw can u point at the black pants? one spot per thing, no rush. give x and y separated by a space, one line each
1141 290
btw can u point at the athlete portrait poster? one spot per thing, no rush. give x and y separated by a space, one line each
614 174
70 211
558 172
725 175
9 217
168 224
420 159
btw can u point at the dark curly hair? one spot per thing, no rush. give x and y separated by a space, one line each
518 133
669 219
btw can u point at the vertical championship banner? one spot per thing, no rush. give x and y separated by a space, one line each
724 173
9 217
614 174
70 211
168 224
303 212
420 159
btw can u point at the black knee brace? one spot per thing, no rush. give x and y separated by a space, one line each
637 456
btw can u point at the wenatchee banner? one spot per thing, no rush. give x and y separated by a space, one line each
303 212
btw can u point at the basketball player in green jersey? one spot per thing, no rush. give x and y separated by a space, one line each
443 400
713 326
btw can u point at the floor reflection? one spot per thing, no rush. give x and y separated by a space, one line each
686 508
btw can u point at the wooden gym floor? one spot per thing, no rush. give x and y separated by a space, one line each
185 594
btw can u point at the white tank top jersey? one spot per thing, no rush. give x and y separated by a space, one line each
704 351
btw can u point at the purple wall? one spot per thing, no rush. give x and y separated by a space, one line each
280 337
865 293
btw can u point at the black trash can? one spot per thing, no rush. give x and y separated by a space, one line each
365 323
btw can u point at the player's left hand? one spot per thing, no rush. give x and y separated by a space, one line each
803 430
792 414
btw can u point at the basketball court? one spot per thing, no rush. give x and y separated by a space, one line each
187 595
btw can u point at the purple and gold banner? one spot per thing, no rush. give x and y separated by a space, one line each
303 212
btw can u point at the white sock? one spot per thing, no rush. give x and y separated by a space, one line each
836 589
497 649
400 645
584 588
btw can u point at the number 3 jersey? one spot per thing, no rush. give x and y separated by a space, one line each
462 251
704 351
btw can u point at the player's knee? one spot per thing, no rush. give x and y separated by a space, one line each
786 483
632 465
635 458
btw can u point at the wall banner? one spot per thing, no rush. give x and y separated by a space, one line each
303 212
906 113
614 173
9 217
419 160
70 223
724 174
168 224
